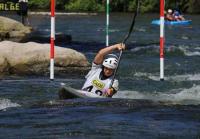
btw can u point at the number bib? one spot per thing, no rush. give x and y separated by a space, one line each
94 84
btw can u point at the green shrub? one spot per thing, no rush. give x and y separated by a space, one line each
83 5
39 4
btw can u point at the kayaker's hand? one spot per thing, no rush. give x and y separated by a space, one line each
109 92
120 46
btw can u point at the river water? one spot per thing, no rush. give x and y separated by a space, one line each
144 108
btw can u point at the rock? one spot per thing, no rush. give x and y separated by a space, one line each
33 58
15 31
37 36
12 30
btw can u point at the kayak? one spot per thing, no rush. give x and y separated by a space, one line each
185 22
67 92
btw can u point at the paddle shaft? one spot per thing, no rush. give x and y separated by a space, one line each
124 41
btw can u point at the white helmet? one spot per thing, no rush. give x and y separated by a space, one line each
110 62
169 11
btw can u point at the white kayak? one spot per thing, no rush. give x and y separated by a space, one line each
67 92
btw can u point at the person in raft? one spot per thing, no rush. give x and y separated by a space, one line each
178 16
99 77
169 15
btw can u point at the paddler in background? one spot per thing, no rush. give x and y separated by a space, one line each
173 15
23 4
178 16
99 77
169 15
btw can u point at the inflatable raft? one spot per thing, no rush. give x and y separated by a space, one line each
185 22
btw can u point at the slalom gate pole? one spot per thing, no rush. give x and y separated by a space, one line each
52 39
162 39
125 39
107 22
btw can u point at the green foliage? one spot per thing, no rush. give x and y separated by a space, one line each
193 6
83 5
39 4
148 5
119 5
132 5
186 6
60 4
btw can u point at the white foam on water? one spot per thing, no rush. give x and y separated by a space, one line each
188 52
129 95
141 74
148 75
114 30
136 49
6 103
142 29
185 77
154 77
191 95
185 37
176 96
110 30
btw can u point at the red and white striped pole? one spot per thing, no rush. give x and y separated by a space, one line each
52 38
162 38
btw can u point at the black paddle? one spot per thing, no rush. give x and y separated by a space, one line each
124 41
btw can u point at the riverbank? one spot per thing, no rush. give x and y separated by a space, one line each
61 13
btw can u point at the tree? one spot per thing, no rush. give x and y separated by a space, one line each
39 4
193 6
86 5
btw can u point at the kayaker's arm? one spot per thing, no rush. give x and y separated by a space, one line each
103 52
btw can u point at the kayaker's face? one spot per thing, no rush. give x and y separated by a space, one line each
107 71
170 13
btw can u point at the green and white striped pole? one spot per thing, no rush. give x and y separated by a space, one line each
107 22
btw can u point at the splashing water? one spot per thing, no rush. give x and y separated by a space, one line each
176 96
6 103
